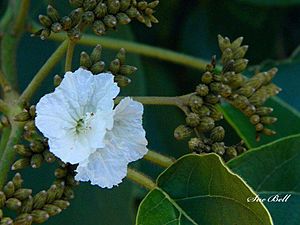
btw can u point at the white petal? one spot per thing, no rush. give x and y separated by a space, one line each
104 168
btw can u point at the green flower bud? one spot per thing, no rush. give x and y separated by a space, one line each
27 205
207 124
140 18
98 67
22 193
264 111
149 11
96 54
153 4
76 3
202 90
39 216
195 101
192 120
51 193
224 43
114 66
231 152
182 132
23 219
127 70
88 17
13 204
215 114
61 204
32 111
145 19
268 120
212 99
227 56
37 146
240 65
236 43
60 172
66 23
74 34
6 221
52 210
234 80
113 6
52 13
217 134
218 148
59 190
21 164
259 127
89 5
99 27
240 52
69 193
49 156
246 91
75 16
196 144
57 80
153 19
22 150
36 161
121 56
249 110
110 21
39 200
56 27
85 60
241 149
270 75
122 80
44 33
132 12
124 4
142 5
241 102
45 21
101 10
1 215
255 119
17 180
70 180
2 199
9 189
123 18
22 117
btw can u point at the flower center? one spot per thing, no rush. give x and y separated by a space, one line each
84 123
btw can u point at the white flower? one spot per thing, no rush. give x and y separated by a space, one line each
82 127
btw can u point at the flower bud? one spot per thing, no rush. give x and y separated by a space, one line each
270 75
23 219
240 65
56 27
88 17
224 43
75 16
22 150
196 144
66 23
74 34
60 172
22 117
27 205
202 90
240 52
127 70
96 54
264 111
39 200
57 80
124 4
132 12
99 27
231 152
1 215
247 91
61 204
89 5
45 21
227 56
249 110
192 120
236 43
268 132
101 10
182 132
241 102
215 114
195 101
212 99
76 3
69 193
114 66
217 134
113 6
49 156
39 216
21 164
110 21
255 119
98 67
122 80
207 124
259 127
36 161
6 221
51 193
9 189
32 111
13 204
85 60
17 180
22 193
153 19
268 120
37 146
218 148
52 13
121 56
52 210
123 18
2 199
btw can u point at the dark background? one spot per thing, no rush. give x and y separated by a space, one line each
270 28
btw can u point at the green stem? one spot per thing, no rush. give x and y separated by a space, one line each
21 18
4 108
44 72
138 48
140 179
4 138
159 159
153 100
4 83
8 154
69 55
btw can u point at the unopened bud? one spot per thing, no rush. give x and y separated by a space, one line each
264 111
2 199
268 120
99 27
192 120
268 132
89 5
17 180
110 21
113 6
123 18
52 13
22 117
66 23
122 80
96 54
240 52
218 148
132 12
45 21
22 150
207 124
22 193
6 221
39 216
196 144
74 34
224 43
49 156
88 17
85 60
61 204
259 127
195 101
39 200
27 205
231 152
98 67
21 164
69 193
56 27
255 119
240 65
76 3
37 146
36 161
52 210
217 134
57 80
236 43
9 189
127 70
182 132
75 16
23 219
212 99
114 66
13 204
202 90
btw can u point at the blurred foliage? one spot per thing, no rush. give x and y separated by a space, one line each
191 27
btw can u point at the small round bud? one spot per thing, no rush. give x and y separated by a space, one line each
89 5
113 6
192 120
45 21
22 193
255 119
268 132
202 90
98 67
218 148
60 173
195 101
88 17
123 18
76 3
52 13
23 219
114 66
110 21
207 124
22 150
196 144
217 134
21 164
96 54
127 70
101 10
13 204
36 161
51 209
122 80
61 204
212 99
74 34
85 60
39 200
39 216
17 180
182 132
207 78
27 205
99 27
56 27
268 120
240 65
57 80
49 156
259 127
231 152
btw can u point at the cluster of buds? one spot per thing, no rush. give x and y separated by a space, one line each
117 67
248 95
101 15
37 150
34 208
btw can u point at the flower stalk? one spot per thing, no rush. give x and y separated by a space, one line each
141 179
69 55
159 159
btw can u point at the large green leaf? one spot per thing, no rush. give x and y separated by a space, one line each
288 122
199 189
272 2
287 212
264 168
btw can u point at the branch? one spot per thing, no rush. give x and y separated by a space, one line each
4 83
140 179
4 107
69 56
44 72
159 159
21 17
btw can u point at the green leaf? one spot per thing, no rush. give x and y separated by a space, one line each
287 213
288 122
272 2
200 189
264 168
